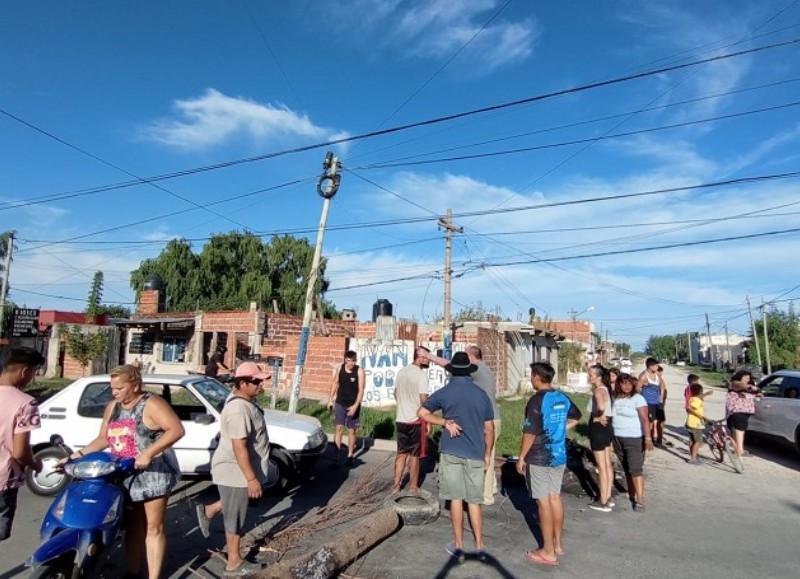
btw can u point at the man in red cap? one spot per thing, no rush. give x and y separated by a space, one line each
240 464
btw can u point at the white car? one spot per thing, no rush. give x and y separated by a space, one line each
625 365
75 413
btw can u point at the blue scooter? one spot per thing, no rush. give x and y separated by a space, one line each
84 519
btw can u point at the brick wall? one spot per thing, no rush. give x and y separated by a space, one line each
493 349
323 354
148 302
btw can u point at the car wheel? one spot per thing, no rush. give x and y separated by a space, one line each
418 508
286 475
797 438
48 481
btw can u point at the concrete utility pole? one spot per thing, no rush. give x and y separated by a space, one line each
710 344
755 335
727 345
766 335
327 186
689 347
6 274
449 228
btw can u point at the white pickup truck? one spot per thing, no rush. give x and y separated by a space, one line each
778 410
75 413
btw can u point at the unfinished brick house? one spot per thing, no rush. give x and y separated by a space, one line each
179 342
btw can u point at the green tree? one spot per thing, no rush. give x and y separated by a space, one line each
623 349
570 358
232 270
783 329
95 297
661 347
84 345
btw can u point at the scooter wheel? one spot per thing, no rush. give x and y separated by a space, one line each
60 568
48 482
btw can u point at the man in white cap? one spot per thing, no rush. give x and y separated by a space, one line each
240 464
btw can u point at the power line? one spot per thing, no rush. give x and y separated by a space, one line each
407 162
395 129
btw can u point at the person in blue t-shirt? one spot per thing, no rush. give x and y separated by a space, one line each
543 458
465 450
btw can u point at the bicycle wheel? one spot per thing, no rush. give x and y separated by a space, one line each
733 456
717 450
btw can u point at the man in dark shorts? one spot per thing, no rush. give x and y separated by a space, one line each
410 391
18 416
216 363
347 391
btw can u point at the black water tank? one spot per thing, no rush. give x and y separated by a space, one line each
153 282
381 308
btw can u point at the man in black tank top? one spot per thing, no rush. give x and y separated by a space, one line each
347 390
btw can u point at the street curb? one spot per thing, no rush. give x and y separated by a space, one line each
370 442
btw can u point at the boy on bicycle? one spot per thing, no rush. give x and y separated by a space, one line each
695 418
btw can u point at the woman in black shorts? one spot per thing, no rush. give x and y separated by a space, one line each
740 404
601 436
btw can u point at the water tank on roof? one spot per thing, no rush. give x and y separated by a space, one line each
153 282
381 308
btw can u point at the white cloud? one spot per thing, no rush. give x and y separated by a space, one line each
215 118
437 29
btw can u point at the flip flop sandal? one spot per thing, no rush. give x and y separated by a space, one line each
534 557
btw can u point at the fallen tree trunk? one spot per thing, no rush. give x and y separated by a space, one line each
326 561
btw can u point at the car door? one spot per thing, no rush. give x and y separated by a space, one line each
786 408
764 420
201 426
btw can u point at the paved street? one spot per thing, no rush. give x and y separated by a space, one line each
701 521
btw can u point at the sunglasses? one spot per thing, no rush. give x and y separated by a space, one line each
255 382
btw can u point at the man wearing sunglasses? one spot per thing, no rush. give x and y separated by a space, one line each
240 464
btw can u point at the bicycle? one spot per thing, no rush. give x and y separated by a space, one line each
721 442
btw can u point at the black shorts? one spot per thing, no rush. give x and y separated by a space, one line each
410 438
600 437
738 421
655 412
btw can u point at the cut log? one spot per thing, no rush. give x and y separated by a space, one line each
327 560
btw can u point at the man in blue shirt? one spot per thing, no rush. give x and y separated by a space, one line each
465 450
548 416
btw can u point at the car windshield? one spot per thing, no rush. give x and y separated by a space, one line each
215 393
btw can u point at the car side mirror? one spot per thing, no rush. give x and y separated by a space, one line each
202 418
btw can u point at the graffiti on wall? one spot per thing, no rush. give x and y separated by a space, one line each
382 360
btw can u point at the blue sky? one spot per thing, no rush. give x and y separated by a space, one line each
95 94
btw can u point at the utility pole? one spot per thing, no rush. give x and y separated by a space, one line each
449 228
766 335
755 335
327 186
727 345
6 274
710 345
689 347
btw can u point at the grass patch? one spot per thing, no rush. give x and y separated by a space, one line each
708 376
379 422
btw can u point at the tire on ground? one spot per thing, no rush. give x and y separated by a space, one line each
418 508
